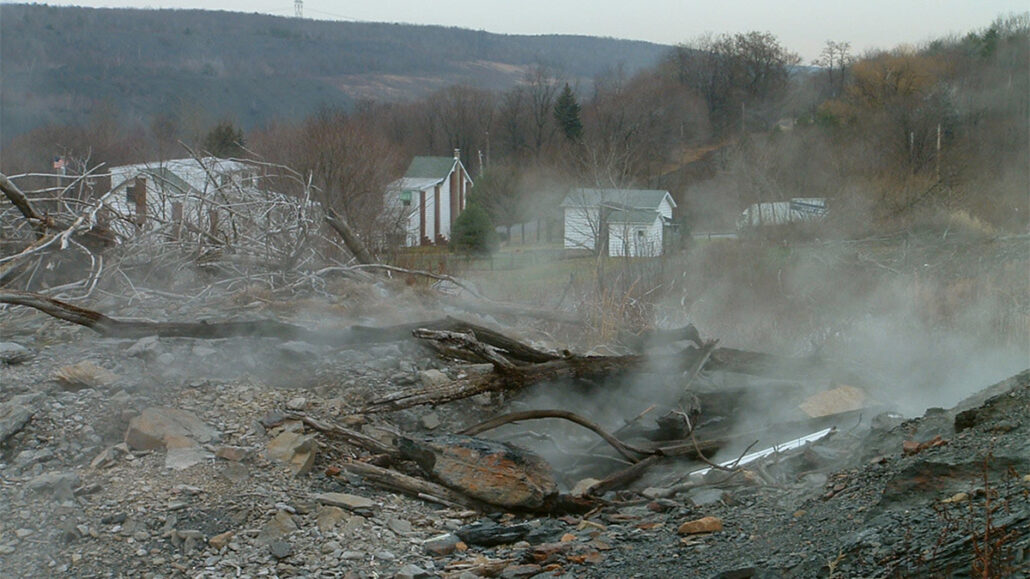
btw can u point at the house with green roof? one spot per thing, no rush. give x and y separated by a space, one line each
620 222
429 197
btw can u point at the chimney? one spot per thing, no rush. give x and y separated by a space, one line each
457 153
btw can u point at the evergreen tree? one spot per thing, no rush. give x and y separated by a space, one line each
224 140
473 233
566 112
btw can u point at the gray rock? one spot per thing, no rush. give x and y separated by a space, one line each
149 430
703 497
297 403
16 413
441 545
399 526
411 572
148 347
433 378
282 524
185 457
346 501
12 353
430 421
280 549
53 481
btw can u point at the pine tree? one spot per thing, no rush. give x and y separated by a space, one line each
224 141
566 112
473 233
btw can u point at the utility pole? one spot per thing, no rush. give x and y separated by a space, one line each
938 156
298 8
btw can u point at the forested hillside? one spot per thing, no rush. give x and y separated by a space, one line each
61 64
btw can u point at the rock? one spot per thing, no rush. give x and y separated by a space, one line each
515 571
493 472
12 353
235 472
149 430
221 540
346 501
279 526
703 497
441 545
399 526
106 458
280 549
297 403
430 421
232 453
702 525
58 483
328 517
295 449
147 347
957 498
410 571
16 413
433 378
488 533
166 359
182 456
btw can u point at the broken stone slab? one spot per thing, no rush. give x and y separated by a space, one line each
59 484
12 353
281 525
149 430
399 526
294 449
183 453
221 540
411 571
430 421
489 534
280 549
702 525
329 516
17 412
441 545
355 503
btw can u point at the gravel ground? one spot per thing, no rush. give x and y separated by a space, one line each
79 501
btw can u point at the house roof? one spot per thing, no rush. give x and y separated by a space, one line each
632 216
628 198
437 168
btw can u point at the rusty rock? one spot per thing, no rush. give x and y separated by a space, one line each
702 525
493 472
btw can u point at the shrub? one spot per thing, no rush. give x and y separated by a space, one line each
473 233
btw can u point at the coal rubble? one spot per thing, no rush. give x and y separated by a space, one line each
180 457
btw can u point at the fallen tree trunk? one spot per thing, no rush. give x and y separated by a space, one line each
414 486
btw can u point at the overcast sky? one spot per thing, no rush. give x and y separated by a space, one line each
801 25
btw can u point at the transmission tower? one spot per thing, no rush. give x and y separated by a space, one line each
298 8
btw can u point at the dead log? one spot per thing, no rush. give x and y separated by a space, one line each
349 236
352 437
622 448
621 478
413 486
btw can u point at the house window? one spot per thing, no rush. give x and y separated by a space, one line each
640 234
406 198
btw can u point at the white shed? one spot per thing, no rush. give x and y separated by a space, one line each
630 222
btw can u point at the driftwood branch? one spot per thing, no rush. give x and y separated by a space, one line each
622 448
349 236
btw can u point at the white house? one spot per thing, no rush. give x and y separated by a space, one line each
178 190
429 197
629 222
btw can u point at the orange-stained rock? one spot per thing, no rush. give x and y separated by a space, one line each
702 525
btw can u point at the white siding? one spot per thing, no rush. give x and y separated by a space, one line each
581 227
665 207
635 239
